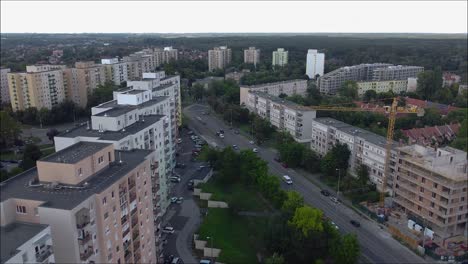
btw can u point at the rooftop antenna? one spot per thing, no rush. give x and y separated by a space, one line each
120 157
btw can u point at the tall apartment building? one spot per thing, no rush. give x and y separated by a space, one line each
96 200
219 58
41 86
398 72
282 114
366 147
285 87
116 71
140 62
252 56
26 243
315 63
280 57
431 186
4 90
397 86
89 76
165 55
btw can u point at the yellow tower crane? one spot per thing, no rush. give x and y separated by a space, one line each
392 111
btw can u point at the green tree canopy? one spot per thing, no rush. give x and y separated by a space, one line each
347 250
293 201
307 220
31 154
9 129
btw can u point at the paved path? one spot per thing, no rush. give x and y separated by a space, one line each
184 237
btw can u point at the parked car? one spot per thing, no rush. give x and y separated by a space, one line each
284 165
355 223
221 135
236 132
221 131
174 179
180 200
255 150
277 159
251 142
179 140
174 200
205 261
335 200
325 192
235 147
168 230
177 261
334 225
287 179
180 165
190 132
191 185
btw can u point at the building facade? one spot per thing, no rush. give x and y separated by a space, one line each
41 86
431 186
89 76
236 75
279 57
315 64
366 147
252 56
4 90
282 114
397 86
219 58
331 82
116 71
290 87
96 200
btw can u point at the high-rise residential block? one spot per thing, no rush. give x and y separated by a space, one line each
165 55
116 71
285 87
280 57
252 56
431 187
89 76
41 86
5 91
98 202
219 58
331 82
139 62
282 114
315 64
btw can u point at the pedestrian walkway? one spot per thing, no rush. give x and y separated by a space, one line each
184 239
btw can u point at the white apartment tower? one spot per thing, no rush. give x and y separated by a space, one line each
315 63
280 57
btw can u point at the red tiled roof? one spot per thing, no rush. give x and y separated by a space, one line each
425 135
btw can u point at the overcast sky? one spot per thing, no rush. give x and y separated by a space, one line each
190 17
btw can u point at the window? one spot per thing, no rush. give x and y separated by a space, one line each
106 215
432 204
435 185
420 198
36 211
109 257
100 159
423 180
463 199
113 208
419 208
117 248
104 200
80 172
21 209
421 189
460 208
431 214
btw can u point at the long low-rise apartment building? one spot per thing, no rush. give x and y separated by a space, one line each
282 114
397 86
431 186
96 200
366 147
285 87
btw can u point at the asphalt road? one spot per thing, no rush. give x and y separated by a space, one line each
377 246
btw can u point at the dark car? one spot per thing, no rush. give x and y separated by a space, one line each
190 185
180 165
325 192
236 132
284 165
277 159
355 223
221 131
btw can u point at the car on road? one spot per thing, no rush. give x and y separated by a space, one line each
174 200
284 164
205 261
236 132
180 165
191 185
221 135
334 225
235 147
277 159
325 192
174 179
287 179
335 200
255 150
168 230
355 223
177 261
251 142
179 140
221 131
180 200
190 132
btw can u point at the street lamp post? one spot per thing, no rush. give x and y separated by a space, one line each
339 178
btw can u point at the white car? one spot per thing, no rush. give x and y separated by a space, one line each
334 225
251 142
287 179
168 230
255 150
221 135
335 200
174 200
174 179
179 140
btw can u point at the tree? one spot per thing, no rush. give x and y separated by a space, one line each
429 82
275 259
369 95
52 133
307 220
31 154
461 142
9 129
363 174
349 89
198 91
346 250
336 158
293 201
292 153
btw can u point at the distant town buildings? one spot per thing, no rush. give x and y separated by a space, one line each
315 64
219 58
331 82
449 79
366 148
252 56
432 136
236 75
280 57
100 204
285 87
5 92
205 82
441 108
282 114
462 88
431 186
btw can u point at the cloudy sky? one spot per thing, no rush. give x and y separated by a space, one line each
243 16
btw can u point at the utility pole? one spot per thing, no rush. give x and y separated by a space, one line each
339 178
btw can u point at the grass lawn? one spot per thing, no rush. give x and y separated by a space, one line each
238 237
10 155
247 199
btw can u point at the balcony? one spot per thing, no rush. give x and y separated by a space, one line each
137 257
85 239
136 246
44 254
132 196
134 210
88 253
131 185
128 256
136 235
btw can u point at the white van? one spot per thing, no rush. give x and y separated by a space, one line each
287 179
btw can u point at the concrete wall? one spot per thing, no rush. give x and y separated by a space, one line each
217 204
7 209
207 251
205 196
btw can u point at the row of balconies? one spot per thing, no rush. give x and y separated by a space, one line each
44 253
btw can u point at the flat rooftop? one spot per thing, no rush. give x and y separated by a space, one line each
163 86
117 111
76 152
279 100
274 83
82 131
107 104
14 235
136 91
65 198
